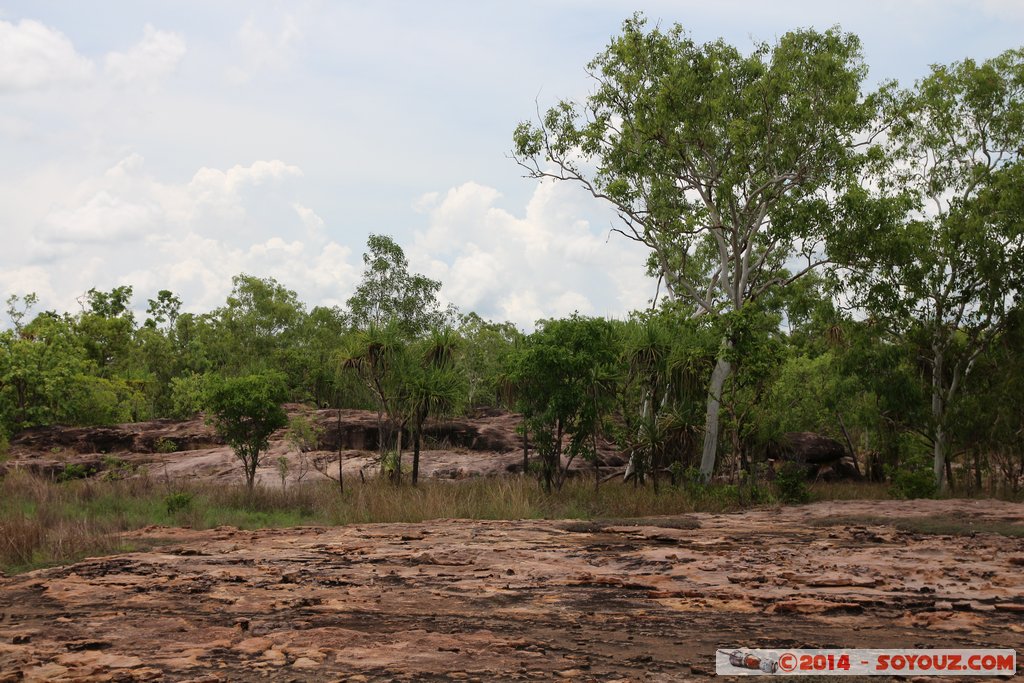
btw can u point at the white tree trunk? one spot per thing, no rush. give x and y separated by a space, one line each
939 418
723 368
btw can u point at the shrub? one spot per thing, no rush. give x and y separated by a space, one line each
73 471
163 445
177 502
115 468
913 478
303 434
791 484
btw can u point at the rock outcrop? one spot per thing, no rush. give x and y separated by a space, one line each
486 444
822 456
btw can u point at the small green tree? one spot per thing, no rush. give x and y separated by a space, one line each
379 357
564 371
433 385
245 411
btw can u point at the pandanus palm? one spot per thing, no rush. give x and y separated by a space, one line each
433 387
378 356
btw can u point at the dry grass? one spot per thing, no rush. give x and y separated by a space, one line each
44 522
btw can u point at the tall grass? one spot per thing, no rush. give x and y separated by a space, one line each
43 522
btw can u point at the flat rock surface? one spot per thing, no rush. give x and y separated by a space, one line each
515 600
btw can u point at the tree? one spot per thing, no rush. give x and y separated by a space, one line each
379 357
106 329
112 304
17 313
953 264
481 355
389 292
41 366
564 371
433 385
726 166
259 325
245 411
164 309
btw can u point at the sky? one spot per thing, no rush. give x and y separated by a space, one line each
172 144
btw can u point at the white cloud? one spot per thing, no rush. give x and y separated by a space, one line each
103 219
1005 9
547 263
126 227
34 56
154 57
261 49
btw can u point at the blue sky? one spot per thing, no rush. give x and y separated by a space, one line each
175 144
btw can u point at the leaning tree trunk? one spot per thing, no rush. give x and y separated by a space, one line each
723 368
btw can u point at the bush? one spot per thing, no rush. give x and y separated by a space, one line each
913 478
177 502
74 471
163 445
115 468
389 466
303 434
791 484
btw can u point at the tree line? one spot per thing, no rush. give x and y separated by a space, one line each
801 363
828 259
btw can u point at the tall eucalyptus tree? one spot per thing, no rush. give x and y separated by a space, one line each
729 167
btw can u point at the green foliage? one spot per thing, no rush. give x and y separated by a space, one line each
388 293
389 465
258 329
74 471
245 411
913 478
565 374
112 304
483 353
163 310
163 445
282 469
40 369
946 264
177 502
102 401
726 164
116 468
791 483
303 434
188 395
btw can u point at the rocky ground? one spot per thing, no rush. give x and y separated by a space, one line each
517 600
